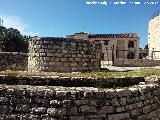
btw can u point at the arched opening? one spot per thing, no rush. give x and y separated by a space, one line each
130 55
130 44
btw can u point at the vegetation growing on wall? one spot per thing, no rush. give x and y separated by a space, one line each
138 73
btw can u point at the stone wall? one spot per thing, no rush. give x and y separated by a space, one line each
136 62
13 61
23 102
63 55
12 79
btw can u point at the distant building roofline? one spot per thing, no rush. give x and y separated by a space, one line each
120 35
82 33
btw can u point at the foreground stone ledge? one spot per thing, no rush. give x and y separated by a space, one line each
137 102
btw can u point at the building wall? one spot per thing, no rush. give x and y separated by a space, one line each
154 37
13 61
120 44
56 103
120 48
63 55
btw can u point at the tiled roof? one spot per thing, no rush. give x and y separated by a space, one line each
124 35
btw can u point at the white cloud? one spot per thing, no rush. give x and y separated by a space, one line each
17 23
32 33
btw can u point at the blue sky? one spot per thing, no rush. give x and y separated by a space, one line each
63 17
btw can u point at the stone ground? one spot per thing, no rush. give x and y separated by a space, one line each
114 68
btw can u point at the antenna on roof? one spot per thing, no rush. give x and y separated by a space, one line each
1 22
83 28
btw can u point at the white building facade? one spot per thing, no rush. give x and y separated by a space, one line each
154 37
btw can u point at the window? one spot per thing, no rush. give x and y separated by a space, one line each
105 42
130 44
102 56
97 40
130 55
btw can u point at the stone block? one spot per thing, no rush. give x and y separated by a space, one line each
87 109
56 112
45 93
10 92
50 54
81 102
134 113
22 108
73 111
76 118
42 54
120 116
49 118
57 59
123 92
147 109
148 95
122 101
154 106
88 94
4 109
61 94
28 117
120 109
100 95
39 110
78 59
55 102
26 100
110 94
107 109
41 101
114 102
3 100
64 59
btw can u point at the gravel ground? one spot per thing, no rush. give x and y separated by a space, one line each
114 68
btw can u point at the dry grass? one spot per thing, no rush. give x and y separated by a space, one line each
138 73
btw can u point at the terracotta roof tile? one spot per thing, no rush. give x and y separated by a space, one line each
124 35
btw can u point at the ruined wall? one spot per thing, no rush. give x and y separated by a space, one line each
63 55
22 102
136 62
13 61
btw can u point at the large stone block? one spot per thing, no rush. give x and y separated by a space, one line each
120 116
23 108
55 112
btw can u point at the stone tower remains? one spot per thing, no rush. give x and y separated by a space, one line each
63 55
